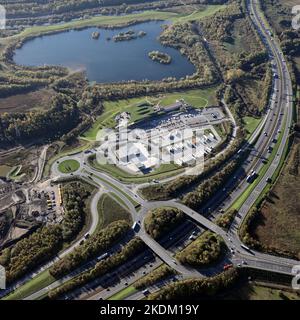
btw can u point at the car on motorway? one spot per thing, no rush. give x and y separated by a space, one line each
227 266
146 292
251 177
136 227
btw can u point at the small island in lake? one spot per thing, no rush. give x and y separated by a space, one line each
160 57
142 34
95 35
129 35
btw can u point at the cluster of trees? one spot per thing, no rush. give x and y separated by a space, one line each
210 186
245 69
22 14
94 246
31 252
197 288
280 17
130 250
4 224
204 251
131 89
10 85
159 221
70 9
47 241
155 276
225 220
244 231
186 38
219 26
73 108
62 116
74 201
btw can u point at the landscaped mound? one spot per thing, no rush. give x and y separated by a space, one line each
206 250
159 221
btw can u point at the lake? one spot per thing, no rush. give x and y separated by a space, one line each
103 60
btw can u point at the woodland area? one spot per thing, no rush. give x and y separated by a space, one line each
47 241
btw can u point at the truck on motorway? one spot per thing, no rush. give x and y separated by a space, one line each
246 248
251 177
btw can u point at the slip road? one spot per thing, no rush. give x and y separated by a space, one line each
158 309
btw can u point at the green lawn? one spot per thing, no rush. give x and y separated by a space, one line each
85 145
68 166
15 172
116 188
251 124
163 172
99 21
37 283
102 21
4 170
199 98
199 14
109 211
123 293
136 106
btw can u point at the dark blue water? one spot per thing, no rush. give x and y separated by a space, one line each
105 61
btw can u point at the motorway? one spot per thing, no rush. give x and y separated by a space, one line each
276 123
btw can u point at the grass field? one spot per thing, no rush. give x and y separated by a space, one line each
41 281
95 177
163 172
84 145
120 20
199 98
109 211
199 14
250 124
100 21
141 108
4 170
123 293
68 166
